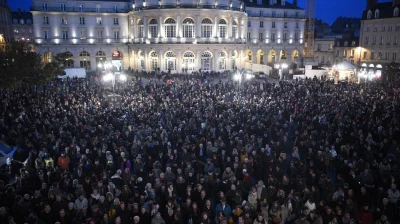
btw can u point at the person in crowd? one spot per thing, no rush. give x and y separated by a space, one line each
190 151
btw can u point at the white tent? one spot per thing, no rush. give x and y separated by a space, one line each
344 71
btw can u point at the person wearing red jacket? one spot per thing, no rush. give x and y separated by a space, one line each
365 216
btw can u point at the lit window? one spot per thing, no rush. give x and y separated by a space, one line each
153 27
222 28
140 28
188 28
396 12
234 29
206 28
170 28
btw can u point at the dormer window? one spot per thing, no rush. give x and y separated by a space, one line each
346 44
283 2
396 12
259 2
353 43
377 14
369 14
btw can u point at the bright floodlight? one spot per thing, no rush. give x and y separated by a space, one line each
99 65
249 76
284 65
237 77
123 78
108 77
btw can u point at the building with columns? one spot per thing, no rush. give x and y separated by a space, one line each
170 35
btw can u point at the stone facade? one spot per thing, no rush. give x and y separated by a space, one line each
170 35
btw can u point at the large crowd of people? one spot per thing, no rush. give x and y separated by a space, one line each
201 152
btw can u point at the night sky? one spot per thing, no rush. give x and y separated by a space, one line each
327 10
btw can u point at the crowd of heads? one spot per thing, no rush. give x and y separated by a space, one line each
201 151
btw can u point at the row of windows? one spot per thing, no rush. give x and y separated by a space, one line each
381 56
273 14
382 40
383 28
188 29
273 24
369 14
81 7
82 34
64 20
273 36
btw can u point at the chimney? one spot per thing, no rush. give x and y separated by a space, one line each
371 3
295 2
395 2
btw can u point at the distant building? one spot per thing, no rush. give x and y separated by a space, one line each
380 33
6 34
347 49
323 52
344 24
22 26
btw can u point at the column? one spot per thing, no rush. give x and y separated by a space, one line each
197 26
239 28
160 27
197 61
229 60
215 30
178 26
216 60
160 60
179 62
134 28
145 27
145 58
229 27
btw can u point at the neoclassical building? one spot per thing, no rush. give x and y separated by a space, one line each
170 35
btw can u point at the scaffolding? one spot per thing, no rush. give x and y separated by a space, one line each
309 29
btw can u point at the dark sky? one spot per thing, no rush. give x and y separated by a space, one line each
327 10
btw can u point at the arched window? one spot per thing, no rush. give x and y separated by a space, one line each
28 21
140 28
353 43
369 14
377 14
206 28
234 29
222 60
396 12
222 28
170 61
84 60
100 54
188 28
84 54
206 61
153 28
188 61
154 60
170 28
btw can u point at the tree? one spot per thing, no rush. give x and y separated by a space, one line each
392 71
19 65
64 60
